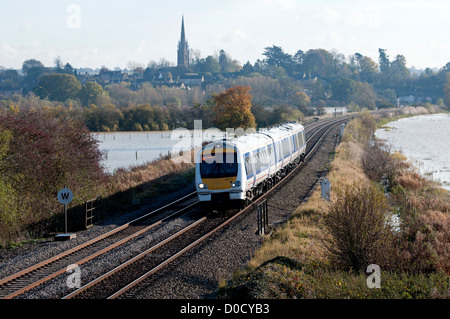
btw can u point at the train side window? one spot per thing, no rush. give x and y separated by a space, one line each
271 155
302 138
255 162
262 158
249 165
278 151
285 147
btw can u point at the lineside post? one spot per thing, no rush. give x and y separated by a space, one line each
65 196
263 217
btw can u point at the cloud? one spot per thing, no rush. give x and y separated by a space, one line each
369 17
7 50
363 16
142 47
8 55
281 4
329 15
234 36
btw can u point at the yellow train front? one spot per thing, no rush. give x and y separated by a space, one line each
218 173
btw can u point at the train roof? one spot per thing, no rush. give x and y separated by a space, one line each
281 131
260 138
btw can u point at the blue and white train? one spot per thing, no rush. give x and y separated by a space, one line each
239 169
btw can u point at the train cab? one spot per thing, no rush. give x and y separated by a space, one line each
218 172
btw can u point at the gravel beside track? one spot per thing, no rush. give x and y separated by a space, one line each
197 273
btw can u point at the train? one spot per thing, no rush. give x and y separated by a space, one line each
239 169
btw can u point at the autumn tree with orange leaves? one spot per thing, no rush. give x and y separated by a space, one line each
232 108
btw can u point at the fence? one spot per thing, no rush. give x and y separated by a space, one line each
92 211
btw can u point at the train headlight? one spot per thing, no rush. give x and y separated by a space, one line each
202 186
236 184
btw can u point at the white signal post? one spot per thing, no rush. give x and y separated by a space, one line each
65 197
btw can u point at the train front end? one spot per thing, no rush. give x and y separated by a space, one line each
218 175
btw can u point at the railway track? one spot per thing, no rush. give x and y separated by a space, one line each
121 279
112 284
25 280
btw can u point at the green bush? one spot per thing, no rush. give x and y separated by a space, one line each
357 225
41 154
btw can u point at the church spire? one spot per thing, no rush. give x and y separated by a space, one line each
183 48
183 36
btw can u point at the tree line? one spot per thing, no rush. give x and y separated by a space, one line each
283 87
105 116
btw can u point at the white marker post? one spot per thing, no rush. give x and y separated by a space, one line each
325 189
65 196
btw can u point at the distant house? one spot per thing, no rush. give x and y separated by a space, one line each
110 77
192 79
407 99
335 110
85 77
164 77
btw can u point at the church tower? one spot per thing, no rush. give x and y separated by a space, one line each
183 48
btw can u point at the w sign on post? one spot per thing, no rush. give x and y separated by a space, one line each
65 197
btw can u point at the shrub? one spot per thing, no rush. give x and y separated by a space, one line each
377 162
439 223
360 129
411 180
424 240
45 154
8 197
357 224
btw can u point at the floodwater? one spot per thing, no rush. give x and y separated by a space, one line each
425 141
126 149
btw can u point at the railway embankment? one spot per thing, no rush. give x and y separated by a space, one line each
129 193
41 153
382 215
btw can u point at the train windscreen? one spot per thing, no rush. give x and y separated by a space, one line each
219 165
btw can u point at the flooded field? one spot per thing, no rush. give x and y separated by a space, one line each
125 149
425 140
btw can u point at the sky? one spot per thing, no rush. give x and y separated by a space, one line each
96 33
